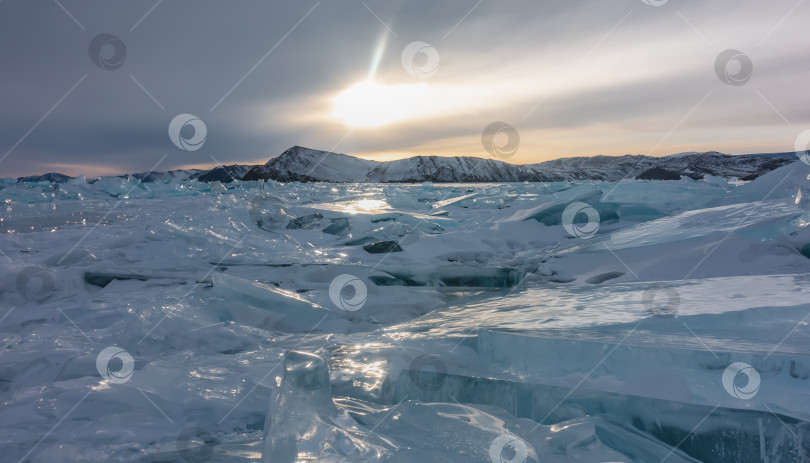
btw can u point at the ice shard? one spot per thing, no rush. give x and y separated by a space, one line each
273 308
303 424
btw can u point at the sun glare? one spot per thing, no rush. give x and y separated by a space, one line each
369 104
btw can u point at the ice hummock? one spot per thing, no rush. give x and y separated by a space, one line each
304 424
488 323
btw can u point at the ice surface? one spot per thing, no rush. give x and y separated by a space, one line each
494 324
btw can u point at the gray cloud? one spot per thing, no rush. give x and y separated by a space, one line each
609 76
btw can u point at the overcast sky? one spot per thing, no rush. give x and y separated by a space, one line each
569 77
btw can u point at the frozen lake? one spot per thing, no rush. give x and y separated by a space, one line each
593 322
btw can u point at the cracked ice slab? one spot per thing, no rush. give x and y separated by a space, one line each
690 376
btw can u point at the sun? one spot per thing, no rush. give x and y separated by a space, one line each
369 104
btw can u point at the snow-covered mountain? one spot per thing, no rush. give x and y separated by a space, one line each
165 177
304 164
309 165
694 165
445 169
52 177
223 174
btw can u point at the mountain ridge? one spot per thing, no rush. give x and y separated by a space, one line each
303 164
308 165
